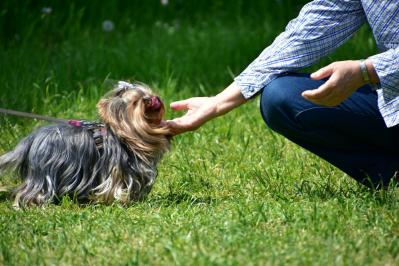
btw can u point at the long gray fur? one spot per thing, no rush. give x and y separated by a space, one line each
61 160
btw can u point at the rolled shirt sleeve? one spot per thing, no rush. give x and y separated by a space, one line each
321 27
386 65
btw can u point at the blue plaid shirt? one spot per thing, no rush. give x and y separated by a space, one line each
321 27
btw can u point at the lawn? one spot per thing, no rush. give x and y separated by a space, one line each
231 193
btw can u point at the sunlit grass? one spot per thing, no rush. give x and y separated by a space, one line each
232 193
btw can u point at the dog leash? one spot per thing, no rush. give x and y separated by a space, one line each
98 129
35 116
72 122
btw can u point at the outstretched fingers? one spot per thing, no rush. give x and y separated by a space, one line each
179 125
180 105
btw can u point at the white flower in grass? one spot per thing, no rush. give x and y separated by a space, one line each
108 26
47 10
164 2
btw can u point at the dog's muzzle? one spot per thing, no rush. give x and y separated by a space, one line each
155 103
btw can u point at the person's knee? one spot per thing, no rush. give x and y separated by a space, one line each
277 101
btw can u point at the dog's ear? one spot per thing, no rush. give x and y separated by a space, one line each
102 107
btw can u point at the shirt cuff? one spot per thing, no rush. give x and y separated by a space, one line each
248 90
389 111
386 66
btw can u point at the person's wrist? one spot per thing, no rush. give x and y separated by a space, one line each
374 78
217 105
364 72
229 99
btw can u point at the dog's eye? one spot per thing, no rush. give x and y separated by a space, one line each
120 92
147 99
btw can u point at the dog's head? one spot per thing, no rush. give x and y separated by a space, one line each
135 114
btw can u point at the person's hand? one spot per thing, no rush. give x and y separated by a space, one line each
345 78
202 109
199 111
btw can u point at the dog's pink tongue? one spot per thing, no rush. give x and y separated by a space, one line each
155 103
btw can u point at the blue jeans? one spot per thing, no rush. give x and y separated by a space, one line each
351 136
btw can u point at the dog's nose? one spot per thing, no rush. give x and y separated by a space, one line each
156 103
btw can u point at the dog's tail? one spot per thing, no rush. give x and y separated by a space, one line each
14 159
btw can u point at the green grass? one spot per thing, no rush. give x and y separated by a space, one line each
232 193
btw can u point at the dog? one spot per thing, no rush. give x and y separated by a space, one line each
98 162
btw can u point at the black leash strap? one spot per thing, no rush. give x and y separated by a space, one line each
34 116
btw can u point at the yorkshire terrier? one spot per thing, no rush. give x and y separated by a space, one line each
100 162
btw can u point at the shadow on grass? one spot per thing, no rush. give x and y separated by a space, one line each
325 190
166 200
173 199
5 195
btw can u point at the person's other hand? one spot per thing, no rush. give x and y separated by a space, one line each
345 78
199 111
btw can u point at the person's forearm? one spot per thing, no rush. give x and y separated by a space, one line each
321 27
228 99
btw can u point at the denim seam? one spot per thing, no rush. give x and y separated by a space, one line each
321 107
